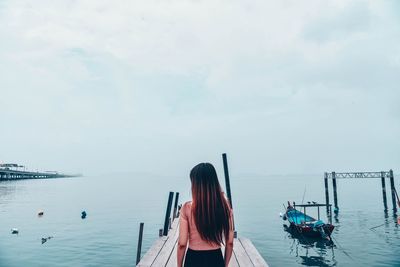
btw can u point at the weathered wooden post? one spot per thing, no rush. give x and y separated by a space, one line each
175 205
326 191
179 210
228 188
336 209
393 190
167 213
227 183
330 213
384 191
139 246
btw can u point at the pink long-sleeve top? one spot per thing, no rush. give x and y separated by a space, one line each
195 240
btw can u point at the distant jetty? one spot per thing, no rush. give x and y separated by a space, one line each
10 171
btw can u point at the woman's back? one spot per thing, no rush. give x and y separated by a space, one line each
205 223
195 240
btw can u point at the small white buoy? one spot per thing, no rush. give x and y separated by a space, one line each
14 231
280 214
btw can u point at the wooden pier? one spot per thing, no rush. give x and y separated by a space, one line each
163 252
7 174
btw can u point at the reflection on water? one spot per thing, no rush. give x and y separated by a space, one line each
314 261
7 191
383 231
321 252
312 251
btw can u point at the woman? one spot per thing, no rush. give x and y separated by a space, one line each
205 222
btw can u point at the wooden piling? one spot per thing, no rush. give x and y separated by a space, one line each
391 176
175 205
336 210
384 191
326 191
167 213
139 246
228 188
227 183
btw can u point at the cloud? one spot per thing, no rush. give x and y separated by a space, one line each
88 85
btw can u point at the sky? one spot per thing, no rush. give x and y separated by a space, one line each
282 87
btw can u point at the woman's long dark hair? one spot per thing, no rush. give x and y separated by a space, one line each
210 208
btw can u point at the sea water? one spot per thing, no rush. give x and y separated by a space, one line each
116 204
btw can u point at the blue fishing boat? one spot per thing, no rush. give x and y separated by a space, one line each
301 224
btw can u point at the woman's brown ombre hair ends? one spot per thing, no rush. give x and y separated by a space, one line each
210 208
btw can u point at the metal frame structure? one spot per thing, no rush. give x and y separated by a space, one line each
360 175
318 205
342 175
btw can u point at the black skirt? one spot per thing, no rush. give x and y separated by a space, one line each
204 258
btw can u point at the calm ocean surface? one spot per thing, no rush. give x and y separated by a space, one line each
116 204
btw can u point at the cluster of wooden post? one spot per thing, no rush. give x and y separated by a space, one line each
383 176
335 201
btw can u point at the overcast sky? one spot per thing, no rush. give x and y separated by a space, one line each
157 86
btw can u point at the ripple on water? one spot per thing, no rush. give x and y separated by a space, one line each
108 236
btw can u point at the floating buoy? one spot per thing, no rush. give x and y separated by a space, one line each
83 215
40 213
44 239
14 231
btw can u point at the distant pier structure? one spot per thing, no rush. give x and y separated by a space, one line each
12 171
382 175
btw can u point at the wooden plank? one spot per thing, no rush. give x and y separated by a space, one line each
163 252
166 251
233 261
253 253
152 253
173 260
241 255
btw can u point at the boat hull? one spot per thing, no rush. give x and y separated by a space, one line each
309 231
307 226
